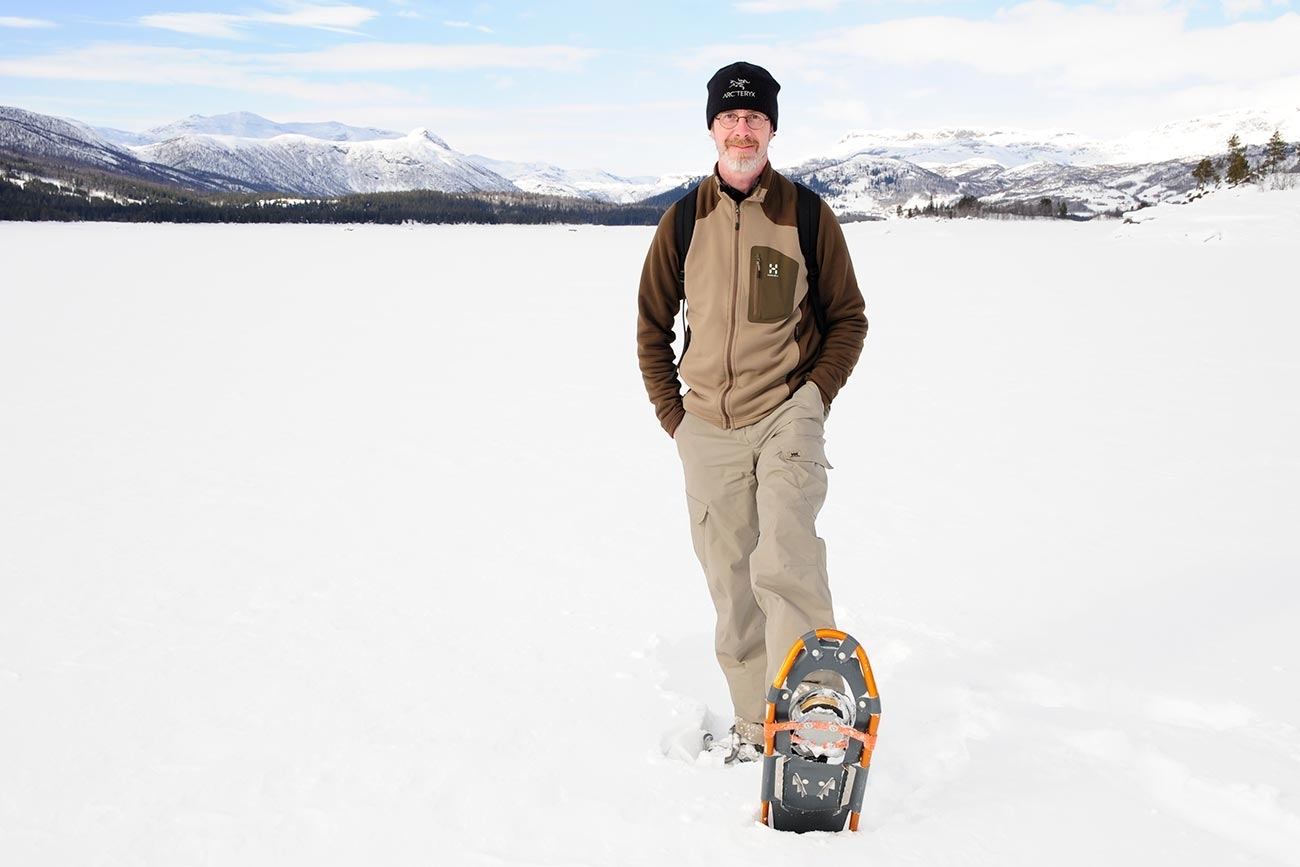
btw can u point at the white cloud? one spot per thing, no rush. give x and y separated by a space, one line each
467 25
341 19
212 24
288 74
1238 8
24 23
401 57
1103 68
763 7
153 65
1140 45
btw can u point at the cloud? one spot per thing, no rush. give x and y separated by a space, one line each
405 57
197 23
764 7
467 24
1238 8
216 68
1135 45
25 23
289 74
220 25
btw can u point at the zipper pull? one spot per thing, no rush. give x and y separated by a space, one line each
737 216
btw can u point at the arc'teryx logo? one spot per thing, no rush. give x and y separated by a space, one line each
738 82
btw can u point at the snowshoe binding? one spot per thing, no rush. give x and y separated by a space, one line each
823 711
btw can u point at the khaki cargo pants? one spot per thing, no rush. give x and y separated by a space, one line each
754 493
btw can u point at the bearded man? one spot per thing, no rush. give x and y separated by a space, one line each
770 339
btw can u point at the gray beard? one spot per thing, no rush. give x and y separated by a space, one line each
742 165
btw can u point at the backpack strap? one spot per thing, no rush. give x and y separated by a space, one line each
685 229
685 220
808 215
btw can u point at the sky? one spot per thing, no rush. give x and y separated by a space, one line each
622 87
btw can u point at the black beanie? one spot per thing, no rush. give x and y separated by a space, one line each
741 85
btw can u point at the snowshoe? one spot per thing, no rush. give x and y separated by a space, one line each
818 738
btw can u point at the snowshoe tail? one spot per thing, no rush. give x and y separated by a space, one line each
815 761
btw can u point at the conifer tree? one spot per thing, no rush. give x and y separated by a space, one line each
1275 151
1204 172
1238 169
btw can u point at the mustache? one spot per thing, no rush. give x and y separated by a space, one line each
732 142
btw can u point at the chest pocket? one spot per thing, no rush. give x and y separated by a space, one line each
772 278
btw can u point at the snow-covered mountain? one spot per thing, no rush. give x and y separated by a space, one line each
553 180
244 124
868 184
1196 137
932 148
1203 136
310 166
57 140
865 172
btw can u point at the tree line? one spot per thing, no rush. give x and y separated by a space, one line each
970 206
127 200
38 200
1235 165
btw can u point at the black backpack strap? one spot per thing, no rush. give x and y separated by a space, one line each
685 215
685 229
808 215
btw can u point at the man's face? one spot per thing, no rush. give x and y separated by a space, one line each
742 149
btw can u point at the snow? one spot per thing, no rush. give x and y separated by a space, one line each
353 546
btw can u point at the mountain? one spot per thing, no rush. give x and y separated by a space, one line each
1203 136
877 171
869 184
69 143
1008 147
307 166
866 172
932 148
872 185
553 180
244 124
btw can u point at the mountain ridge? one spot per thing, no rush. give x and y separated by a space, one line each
869 172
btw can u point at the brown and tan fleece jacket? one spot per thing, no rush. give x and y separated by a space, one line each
751 334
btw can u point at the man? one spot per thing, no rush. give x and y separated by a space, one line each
761 376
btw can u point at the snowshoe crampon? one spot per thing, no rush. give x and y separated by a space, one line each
822 714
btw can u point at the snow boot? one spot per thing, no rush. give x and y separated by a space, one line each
818 739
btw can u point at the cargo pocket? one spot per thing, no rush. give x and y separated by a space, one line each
699 511
806 460
772 278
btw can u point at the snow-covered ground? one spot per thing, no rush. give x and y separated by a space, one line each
361 546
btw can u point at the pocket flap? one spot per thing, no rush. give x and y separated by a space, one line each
811 451
698 508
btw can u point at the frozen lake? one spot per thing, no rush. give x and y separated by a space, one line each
361 545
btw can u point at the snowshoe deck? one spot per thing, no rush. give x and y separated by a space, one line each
806 792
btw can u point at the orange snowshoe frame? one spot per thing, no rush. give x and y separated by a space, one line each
800 794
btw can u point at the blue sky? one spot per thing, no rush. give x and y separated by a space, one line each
622 87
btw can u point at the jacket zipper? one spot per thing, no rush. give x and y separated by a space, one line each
731 324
